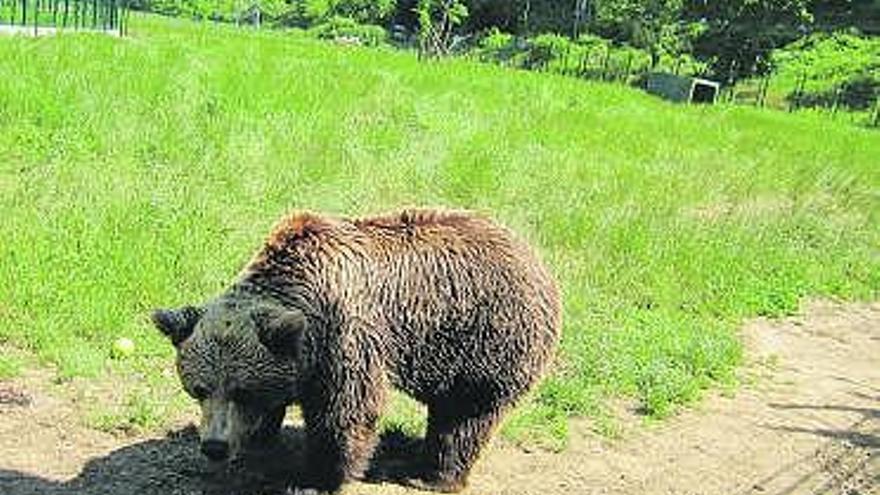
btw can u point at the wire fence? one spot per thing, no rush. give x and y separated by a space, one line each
860 104
47 16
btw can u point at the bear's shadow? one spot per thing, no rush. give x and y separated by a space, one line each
173 466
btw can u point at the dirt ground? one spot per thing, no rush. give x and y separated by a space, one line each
808 422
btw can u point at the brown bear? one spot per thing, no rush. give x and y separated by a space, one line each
447 306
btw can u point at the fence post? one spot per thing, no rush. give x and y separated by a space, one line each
799 88
629 61
582 68
876 120
731 83
565 60
762 91
605 64
836 103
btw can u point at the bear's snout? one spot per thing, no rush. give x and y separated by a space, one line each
215 450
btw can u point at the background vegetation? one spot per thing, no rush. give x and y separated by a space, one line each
823 68
144 172
791 53
735 42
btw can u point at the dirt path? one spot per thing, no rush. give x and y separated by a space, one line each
810 424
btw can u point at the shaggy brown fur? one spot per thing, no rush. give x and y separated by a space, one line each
446 306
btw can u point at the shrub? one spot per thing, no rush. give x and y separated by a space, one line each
363 11
496 46
219 10
599 58
684 64
339 28
547 49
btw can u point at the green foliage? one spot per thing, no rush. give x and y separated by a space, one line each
727 41
655 26
839 68
315 10
547 48
652 25
311 12
438 20
737 36
10 365
590 56
523 17
495 42
144 173
364 11
682 63
834 15
218 10
195 9
344 28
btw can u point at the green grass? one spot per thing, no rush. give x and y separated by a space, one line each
145 171
778 97
10 365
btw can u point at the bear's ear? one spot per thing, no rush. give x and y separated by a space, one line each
177 324
280 329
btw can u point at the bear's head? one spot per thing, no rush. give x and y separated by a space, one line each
239 360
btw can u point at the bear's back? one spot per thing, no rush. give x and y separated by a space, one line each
453 300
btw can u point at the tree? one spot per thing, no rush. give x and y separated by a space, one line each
580 15
834 15
738 35
437 22
506 15
521 16
655 26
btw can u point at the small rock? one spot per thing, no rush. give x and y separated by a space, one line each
12 397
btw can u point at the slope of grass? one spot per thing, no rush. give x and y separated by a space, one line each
143 172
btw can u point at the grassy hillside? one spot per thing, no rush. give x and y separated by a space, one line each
143 172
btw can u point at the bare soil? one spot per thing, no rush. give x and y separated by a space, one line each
806 422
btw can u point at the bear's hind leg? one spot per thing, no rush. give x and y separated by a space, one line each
453 443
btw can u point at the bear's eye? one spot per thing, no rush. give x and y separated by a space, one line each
200 392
